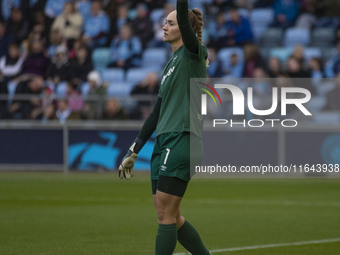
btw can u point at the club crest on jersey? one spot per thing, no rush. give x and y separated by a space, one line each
174 59
171 70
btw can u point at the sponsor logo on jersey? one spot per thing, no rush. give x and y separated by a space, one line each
171 70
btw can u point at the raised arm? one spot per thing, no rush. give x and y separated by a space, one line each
189 37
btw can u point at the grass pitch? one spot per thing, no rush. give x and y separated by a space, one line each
98 214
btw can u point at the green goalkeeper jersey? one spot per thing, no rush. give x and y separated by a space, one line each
175 92
177 103
177 108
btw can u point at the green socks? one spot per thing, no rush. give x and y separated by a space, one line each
189 238
166 239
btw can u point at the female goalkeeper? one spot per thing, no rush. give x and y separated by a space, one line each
170 162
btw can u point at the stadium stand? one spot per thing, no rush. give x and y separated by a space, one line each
318 36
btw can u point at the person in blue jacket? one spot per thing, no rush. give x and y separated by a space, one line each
238 29
285 12
96 26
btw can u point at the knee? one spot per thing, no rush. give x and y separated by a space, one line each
166 216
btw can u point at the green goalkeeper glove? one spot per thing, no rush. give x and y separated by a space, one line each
125 169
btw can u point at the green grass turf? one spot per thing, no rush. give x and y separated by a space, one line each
98 214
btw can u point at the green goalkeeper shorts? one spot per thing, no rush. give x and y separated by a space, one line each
173 155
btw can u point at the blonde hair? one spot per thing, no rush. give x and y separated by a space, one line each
196 21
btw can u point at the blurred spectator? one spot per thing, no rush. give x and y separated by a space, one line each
96 26
97 89
333 102
64 113
84 7
36 62
59 69
77 44
48 114
315 67
47 96
261 83
81 65
215 69
299 54
11 64
233 67
22 109
274 67
337 34
5 39
6 7
3 93
56 40
18 25
336 61
157 40
142 25
54 8
151 4
253 60
285 12
311 11
125 50
217 32
148 86
39 23
263 3
295 69
70 23
114 111
220 6
75 100
238 29
121 19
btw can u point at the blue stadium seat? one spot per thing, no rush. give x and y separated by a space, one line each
281 53
317 103
258 31
328 53
260 19
261 16
297 36
84 89
116 89
325 87
326 117
271 38
243 12
154 57
136 75
61 90
312 53
156 15
113 74
323 37
100 58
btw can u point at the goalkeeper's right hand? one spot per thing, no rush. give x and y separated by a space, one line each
125 169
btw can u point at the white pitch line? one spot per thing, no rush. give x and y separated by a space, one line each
199 201
263 246
264 202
